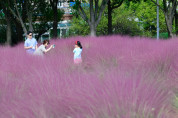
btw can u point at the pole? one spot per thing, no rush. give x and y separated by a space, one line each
157 20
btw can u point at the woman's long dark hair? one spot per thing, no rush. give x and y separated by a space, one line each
78 44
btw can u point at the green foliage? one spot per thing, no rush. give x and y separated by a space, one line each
1 14
146 14
102 28
77 4
79 27
75 9
128 2
163 35
45 15
124 22
121 24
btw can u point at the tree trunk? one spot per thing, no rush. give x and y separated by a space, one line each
30 21
8 27
169 25
19 32
19 18
20 37
176 22
92 20
109 17
95 16
168 8
55 23
8 31
92 30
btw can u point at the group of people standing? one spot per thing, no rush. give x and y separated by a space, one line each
31 47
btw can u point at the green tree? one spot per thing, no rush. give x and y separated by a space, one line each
55 16
79 27
45 15
112 4
5 14
176 22
121 24
147 18
96 9
124 22
25 13
169 9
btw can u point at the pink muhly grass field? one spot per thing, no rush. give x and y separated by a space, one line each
120 77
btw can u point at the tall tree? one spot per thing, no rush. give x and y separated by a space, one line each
112 4
96 9
122 24
8 28
176 22
169 8
31 6
8 23
55 16
16 8
23 10
46 19
146 18
6 4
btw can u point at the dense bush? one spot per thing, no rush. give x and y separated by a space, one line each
120 77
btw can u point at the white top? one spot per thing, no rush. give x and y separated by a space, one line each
40 50
77 53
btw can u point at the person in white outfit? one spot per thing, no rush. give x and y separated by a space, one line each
42 48
77 52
